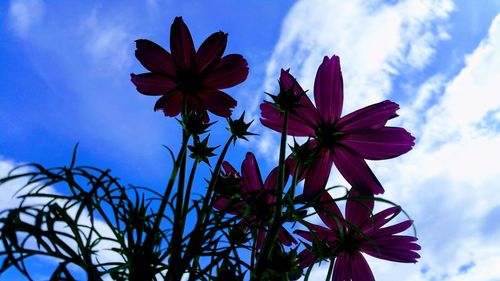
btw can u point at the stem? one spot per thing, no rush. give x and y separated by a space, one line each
330 270
176 243
188 191
277 221
201 224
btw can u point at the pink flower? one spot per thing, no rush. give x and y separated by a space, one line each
189 76
257 200
345 141
345 239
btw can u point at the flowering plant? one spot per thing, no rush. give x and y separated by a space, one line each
244 226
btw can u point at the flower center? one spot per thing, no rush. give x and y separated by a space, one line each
328 135
189 82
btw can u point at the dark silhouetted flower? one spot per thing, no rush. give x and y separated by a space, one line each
345 141
256 202
345 239
189 79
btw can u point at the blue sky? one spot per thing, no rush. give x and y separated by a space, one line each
65 79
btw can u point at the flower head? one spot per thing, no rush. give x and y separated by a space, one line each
346 141
344 239
188 80
256 202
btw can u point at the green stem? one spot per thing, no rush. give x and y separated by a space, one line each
189 188
176 242
201 223
277 221
330 270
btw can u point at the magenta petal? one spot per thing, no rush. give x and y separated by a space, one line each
228 168
154 57
356 172
379 219
152 84
328 89
359 208
252 180
261 237
273 119
329 212
317 175
393 229
217 102
388 142
372 117
230 71
321 233
393 248
211 50
305 258
170 104
181 44
286 238
360 270
341 270
272 179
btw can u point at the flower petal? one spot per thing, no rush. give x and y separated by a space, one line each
152 84
230 71
388 142
318 173
211 50
305 258
252 179
273 119
217 102
328 89
329 212
393 248
356 171
358 208
374 223
181 45
360 270
286 238
170 104
153 57
372 117
341 270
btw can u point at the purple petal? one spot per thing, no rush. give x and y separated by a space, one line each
360 270
317 175
211 50
393 229
329 212
261 237
372 117
170 104
153 57
321 233
328 89
380 219
358 208
152 84
341 270
356 171
217 102
388 142
305 258
252 180
393 248
230 71
286 238
181 44
273 119
228 168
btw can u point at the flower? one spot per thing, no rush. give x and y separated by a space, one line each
187 78
345 141
345 239
256 202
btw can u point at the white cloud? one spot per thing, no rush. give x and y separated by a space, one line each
24 14
375 42
449 182
107 42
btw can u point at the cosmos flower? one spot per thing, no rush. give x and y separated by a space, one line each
346 239
189 79
256 199
346 141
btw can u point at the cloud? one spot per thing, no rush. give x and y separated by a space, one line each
449 182
107 41
375 40
24 14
